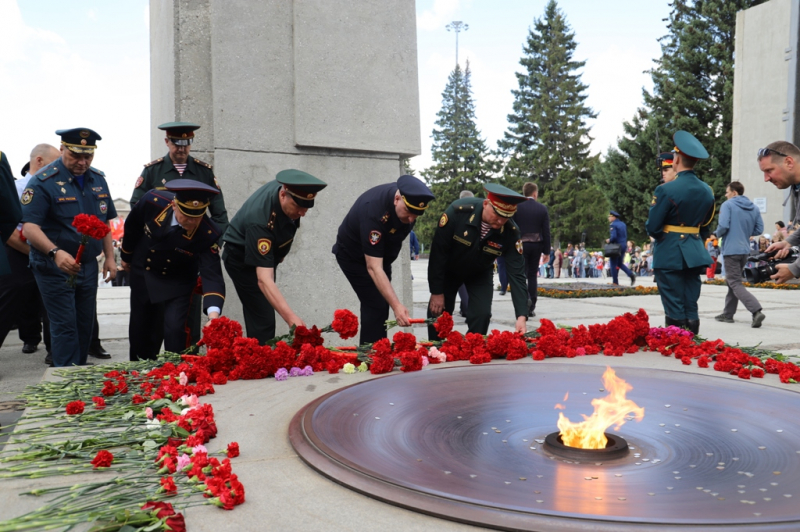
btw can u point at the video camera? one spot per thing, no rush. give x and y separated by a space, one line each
760 273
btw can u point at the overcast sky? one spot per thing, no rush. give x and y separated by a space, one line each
86 64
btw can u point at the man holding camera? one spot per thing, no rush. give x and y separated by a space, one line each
780 162
739 219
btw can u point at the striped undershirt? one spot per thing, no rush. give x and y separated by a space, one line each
180 168
485 228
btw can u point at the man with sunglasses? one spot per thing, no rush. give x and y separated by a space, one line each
471 234
258 239
680 213
779 162
368 242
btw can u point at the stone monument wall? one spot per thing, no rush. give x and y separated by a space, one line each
765 98
325 86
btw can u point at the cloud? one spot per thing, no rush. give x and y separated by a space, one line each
436 17
147 16
92 14
53 86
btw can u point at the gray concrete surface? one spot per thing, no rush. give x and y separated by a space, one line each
325 87
284 494
764 96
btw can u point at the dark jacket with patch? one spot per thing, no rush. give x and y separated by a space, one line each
458 251
161 171
168 257
53 198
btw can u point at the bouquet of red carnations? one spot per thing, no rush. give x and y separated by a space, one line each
89 226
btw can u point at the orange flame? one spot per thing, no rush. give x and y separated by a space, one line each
609 410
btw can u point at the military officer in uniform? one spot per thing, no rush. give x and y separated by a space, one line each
666 167
56 194
258 239
679 219
168 240
368 242
533 221
472 233
178 164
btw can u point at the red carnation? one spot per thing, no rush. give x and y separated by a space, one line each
103 459
744 373
687 361
345 323
702 361
162 509
91 226
538 355
168 485
233 450
99 403
138 399
176 523
444 325
758 373
75 407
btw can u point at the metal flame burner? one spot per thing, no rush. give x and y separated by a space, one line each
468 443
616 447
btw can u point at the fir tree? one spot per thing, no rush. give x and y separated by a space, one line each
693 91
547 140
460 156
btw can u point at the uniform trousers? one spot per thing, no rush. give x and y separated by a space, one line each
532 251
618 264
71 310
479 313
150 322
502 274
374 308
734 264
680 290
21 303
259 316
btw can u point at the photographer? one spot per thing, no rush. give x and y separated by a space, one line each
739 219
780 162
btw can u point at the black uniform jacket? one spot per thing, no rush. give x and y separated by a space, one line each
533 221
458 252
167 256
372 227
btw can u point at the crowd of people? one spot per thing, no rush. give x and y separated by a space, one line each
178 237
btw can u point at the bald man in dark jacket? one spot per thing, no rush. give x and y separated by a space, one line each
534 226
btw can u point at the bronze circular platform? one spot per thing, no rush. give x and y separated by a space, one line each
465 443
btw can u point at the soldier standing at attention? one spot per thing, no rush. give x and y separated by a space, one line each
258 239
369 240
472 233
56 194
168 240
178 164
679 216
533 221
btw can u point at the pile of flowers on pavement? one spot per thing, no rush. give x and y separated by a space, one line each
143 429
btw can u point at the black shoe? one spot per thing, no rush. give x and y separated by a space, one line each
758 319
502 292
633 279
49 359
99 352
693 325
30 348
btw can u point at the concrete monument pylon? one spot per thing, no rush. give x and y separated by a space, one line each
327 87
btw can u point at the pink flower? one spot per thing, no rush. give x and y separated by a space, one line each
580 352
199 449
425 361
307 371
183 461
189 400
149 412
183 379
435 353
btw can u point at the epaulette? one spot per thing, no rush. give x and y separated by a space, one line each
151 163
96 171
47 173
465 208
203 163
159 197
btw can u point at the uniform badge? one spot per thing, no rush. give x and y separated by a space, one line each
139 182
654 200
216 183
466 233
103 207
27 196
264 245
519 246
385 218
374 237
61 183
471 217
443 220
63 190
392 230
214 248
